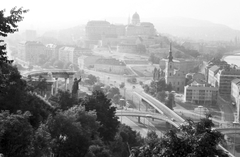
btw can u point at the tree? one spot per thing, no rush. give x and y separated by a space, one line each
161 96
8 24
161 85
105 114
191 139
63 100
73 131
42 142
39 108
116 98
16 134
169 87
124 140
92 79
170 100
113 91
146 88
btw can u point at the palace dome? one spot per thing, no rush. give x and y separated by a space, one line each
135 16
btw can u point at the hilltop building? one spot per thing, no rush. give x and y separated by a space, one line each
104 34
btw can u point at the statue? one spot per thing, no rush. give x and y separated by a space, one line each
75 86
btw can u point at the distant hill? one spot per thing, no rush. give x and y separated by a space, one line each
69 36
194 29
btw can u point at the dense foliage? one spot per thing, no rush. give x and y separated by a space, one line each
190 140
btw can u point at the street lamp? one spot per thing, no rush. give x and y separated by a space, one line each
234 125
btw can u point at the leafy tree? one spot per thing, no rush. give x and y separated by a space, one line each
146 88
116 98
169 87
113 91
62 100
96 87
12 88
8 24
161 96
152 139
191 139
92 79
124 140
105 114
161 85
42 142
39 108
73 131
170 100
97 151
16 134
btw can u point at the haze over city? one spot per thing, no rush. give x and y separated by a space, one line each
126 78
56 14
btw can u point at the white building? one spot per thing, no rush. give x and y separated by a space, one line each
235 95
200 93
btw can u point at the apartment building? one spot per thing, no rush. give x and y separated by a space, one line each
200 93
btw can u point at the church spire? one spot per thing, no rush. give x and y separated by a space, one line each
170 57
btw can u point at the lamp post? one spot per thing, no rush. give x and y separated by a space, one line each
234 125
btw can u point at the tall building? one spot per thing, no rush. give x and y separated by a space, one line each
31 51
235 96
173 76
222 77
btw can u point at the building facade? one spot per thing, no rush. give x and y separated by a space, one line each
235 95
200 93
31 51
110 65
173 76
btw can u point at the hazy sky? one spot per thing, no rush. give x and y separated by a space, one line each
65 13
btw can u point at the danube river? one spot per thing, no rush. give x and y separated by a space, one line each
233 59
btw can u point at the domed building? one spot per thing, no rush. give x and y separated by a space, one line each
135 19
136 27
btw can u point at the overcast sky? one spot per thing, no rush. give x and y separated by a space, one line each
65 13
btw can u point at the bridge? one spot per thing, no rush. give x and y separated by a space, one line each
161 108
136 113
171 114
228 130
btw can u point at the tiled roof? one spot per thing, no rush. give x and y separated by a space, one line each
214 68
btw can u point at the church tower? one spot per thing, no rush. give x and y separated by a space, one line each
169 67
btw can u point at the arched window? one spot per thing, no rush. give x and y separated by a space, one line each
170 74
